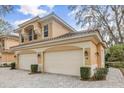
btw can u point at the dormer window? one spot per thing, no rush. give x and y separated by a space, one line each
46 31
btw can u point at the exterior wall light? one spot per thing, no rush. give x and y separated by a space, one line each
97 53
14 56
38 55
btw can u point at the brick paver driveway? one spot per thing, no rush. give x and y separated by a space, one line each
21 79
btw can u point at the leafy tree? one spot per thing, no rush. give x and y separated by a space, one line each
108 19
5 9
116 53
5 27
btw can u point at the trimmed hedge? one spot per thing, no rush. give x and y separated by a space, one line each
106 65
13 66
85 73
115 64
100 74
34 68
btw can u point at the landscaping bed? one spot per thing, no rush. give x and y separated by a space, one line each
99 74
4 65
34 69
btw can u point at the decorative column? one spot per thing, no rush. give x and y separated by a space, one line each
37 29
17 60
24 35
42 61
40 56
1 57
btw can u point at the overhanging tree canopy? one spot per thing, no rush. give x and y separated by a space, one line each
5 27
108 19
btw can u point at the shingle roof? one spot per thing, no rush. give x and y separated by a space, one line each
76 33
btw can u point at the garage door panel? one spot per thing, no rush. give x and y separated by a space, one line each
26 60
64 62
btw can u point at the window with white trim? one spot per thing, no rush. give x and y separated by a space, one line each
46 31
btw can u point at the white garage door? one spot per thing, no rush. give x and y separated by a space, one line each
25 61
64 62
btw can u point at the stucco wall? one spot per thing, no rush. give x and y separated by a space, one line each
97 55
10 42
101 56
7 58
49 23
58 29
93 53
72 46
55 28
93 57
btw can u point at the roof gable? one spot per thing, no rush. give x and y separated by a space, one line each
50 16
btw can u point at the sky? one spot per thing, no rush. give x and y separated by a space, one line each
22 13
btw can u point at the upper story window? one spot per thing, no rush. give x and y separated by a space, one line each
46 31
30 35
3 43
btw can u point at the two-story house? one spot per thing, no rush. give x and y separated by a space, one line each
7 41
57 47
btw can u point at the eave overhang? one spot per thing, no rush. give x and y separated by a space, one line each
65 40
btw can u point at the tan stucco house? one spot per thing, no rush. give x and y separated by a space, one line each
57 47
7 41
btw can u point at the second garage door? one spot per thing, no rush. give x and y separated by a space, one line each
64 62
25 61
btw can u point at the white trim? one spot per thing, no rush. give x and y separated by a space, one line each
29 21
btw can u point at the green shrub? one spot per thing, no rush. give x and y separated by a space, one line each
116 64
85 73
106 65
13 65
107 56
116 53
5 64
106 70
34 68
100 74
